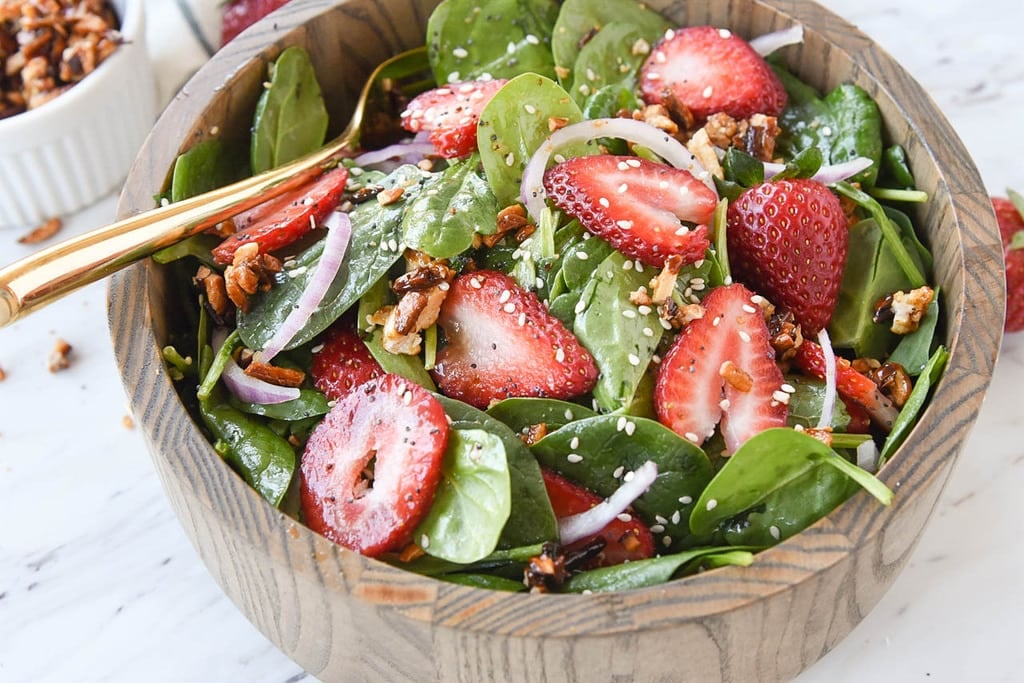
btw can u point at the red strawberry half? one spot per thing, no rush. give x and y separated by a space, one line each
624 540
343 362
788 241
1011 224
721 369
635 205
711 70
450 114
280 221
502 342
372 466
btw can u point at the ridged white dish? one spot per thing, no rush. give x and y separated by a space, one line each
77 148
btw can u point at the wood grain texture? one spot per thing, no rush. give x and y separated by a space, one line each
345 617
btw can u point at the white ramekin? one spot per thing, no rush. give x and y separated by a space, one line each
77 148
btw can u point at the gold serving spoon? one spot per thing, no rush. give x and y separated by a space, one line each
37 280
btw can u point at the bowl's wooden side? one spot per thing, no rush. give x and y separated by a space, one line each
345 617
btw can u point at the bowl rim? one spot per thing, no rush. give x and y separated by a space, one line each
34 122
833 540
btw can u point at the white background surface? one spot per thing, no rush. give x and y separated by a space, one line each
98 582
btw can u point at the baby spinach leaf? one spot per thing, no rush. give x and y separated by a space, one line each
198 246
409 367
376 232
914 349
206 166
504 38
607 100
603 63
531 519
310 403
915 403
578 20
805 404
520 413
499 560
612 445
473 500
621 336
650 572
514 124
291 118
442 219
895 169
784 462
580 257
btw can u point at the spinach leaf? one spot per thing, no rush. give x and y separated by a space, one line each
473 500
409 367
871 272
650 572
310 403
605 66
915 403
779 469
199 246
531 519
578 21
503 39
895 169
612 445
206 166
514 124
621 336
442 220
914 349
291 118
579 258
374 247
805 404
508 560
520 413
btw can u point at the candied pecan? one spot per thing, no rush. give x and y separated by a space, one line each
759 137
678 316
534 433
546 572
904 310
658 116
249 272
893 381
42 232
721 129
423 277
736 377
215 289
283 377
663 284
60 356
786 335
699 145
511 219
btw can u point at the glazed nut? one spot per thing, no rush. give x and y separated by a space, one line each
736 377
215 289
893 381
388 197
534 433
43 232
283 377
60 356
423 277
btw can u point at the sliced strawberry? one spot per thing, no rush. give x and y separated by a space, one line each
372 466
788 241
343 362
1011 224
860 420
241 14
850 384
624 541
502 342
636 205
279 222
710 70
721 369
450 114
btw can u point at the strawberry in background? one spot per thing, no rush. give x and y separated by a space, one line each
241 14
1010 215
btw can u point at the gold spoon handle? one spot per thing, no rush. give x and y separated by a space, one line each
47 275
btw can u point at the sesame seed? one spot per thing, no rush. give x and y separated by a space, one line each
580 306
826 131
460 53
530 109
685 500
744 336
644 309
749 309
627 265
653 75
510 48
574 443
676 517
504 296
622 188
453 77
670 34
622 166
657 528
633 359
660 520
666 541
521 320
707 92
624 517
539 283
591 76
629 313
724 404
663 185
424 541
630 428
780 396
584 89
774 531
727 280
629 476
559 158
574 458
712 504
568 415
560 354
617 474
603 202
637 266
510 159
620 424
725 33
582 255
625 225
532 39
509 307
690 436
683 229
716 321
664 323
788 388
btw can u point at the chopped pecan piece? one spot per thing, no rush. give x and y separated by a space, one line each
60 356
663 284
736 377
786 335
658 116
534 433
700 147
43 232
904 309
546 572
893 381
511 219
756 135
215 289
282 377
249 272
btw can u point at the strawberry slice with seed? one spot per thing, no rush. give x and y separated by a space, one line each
721 370
449 115
279 222
710 70
500 341
850 384
342 363
648 211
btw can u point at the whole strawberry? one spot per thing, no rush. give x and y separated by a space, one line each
788 240
710 70
1011 225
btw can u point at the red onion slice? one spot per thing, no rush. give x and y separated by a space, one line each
828 401
253 390
339 232
407 152
826 175
531 192
575 527
770 42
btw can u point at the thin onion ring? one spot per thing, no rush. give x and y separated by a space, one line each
826 175
590 522
770 42
828 401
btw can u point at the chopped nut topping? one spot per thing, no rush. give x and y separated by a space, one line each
60 356
215 289
282 377
756 135
822 434
249 272
905 309
736 377
510 219
534 433
388 197
657 115
421 290
680 316
556 122
46 46
43 232
893 381
127 422
663 284
546 572
700 146
411 552
786 336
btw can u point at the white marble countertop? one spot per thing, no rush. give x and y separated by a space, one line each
98 582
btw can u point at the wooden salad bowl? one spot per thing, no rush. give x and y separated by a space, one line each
342 616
